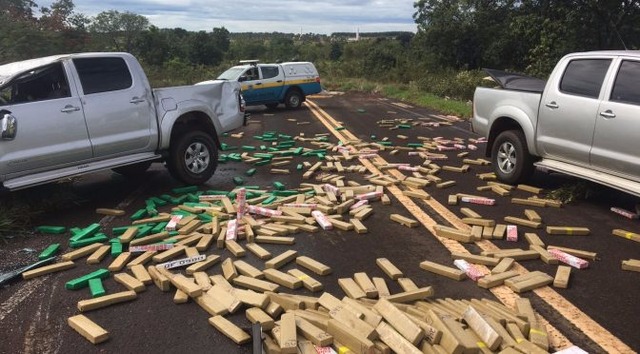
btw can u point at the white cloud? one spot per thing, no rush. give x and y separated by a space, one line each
325 16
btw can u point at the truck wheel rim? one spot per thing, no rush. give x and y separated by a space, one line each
294 101
196 158
507 157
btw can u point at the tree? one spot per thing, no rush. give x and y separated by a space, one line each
153 46
203 50
56 17
119 29
18 9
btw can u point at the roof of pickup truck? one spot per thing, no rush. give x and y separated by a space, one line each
10 70
633 53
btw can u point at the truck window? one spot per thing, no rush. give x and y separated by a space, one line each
627 86
269 71
45 83
584 77
103 74
252 74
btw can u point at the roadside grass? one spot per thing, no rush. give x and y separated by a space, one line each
19 210
574 191
409 93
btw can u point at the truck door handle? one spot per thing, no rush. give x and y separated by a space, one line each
137 100
279 81
608 114
69 108
258 83
552 104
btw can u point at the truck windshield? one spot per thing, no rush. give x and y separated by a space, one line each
231 74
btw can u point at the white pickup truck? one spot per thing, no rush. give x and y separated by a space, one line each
66 115
582 121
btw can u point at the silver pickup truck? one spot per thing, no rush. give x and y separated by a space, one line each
66 115
582 121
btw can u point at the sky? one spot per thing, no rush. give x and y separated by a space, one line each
288 16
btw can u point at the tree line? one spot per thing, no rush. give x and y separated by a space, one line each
454 39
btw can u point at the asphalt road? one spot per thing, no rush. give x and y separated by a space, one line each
33 313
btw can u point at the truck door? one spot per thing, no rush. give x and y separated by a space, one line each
272 82
568 110
118 106
615 141
50 129
251 85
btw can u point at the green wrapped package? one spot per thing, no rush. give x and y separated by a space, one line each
238 181
49 251
89 240
56 230
96 288
138 214
83 281
86 232
184 190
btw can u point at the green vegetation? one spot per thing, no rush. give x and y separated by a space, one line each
409 93
19 210
570 192
455 40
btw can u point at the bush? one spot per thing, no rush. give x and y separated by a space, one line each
460 85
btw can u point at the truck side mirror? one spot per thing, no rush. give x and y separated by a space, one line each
8 125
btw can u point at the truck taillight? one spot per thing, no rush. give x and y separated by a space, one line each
242 103
318 79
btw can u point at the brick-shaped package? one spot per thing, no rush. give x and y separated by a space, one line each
474 273
322 220
569 259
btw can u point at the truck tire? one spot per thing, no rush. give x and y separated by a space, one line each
271 105
510 157
193 157
293 99
135 170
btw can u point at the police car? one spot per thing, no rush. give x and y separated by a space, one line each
272 84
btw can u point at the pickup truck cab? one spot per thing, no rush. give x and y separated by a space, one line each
66 115
583 121
271 84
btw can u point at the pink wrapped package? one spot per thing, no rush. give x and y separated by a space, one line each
481 201
301 205
232 230
445 148
331 188
569 259
154 247
474 273
369 196
173 223
472 147
512 233
263 211
324 350
322 220
459 146
627 214
241 203
359 204
207 198
368 156
409 168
